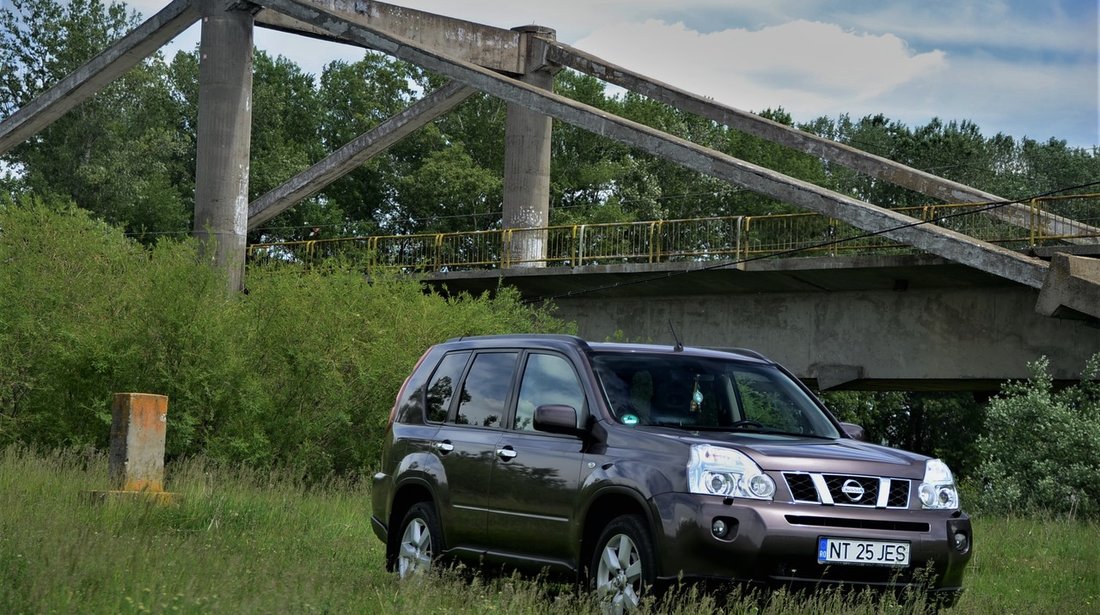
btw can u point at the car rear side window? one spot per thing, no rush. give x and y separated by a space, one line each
485 391
441 388
547 379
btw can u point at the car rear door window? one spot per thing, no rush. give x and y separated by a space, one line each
486 388
442 386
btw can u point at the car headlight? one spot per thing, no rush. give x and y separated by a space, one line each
714 470
937 490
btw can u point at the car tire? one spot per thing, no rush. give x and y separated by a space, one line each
623 566
419 543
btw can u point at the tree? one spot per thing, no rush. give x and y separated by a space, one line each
287 120
118 154
1040 450
450 190
936 424
356 97
585 168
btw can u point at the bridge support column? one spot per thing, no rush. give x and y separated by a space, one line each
224 133
527 160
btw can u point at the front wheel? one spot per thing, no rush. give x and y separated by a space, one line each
623 565
421 541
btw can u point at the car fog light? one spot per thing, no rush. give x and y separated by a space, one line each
962 542
720 529
762 486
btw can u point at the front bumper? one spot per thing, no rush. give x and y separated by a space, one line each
777 542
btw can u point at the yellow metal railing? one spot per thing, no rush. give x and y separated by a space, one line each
1048 220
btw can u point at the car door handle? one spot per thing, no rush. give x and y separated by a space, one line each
507 453
443 447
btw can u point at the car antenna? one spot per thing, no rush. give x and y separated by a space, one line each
679 347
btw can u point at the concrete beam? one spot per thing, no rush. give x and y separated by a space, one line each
97 73
1072 288
494 48
356 153
832 376
918 339
826 149
930 238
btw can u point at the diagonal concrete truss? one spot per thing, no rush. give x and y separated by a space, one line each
484 58
97 73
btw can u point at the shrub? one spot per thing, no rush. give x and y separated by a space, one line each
1040 451
299 372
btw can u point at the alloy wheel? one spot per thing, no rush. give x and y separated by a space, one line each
619 576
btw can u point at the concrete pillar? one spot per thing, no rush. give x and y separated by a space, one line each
527 160
138 422
224 135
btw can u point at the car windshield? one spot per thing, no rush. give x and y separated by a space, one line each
704 393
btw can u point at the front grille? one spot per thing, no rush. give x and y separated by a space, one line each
847 490
857 490
802 487
899 493
853 490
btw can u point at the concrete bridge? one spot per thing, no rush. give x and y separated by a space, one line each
517 66
873 322
838 307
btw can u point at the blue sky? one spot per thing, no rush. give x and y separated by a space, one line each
1020 67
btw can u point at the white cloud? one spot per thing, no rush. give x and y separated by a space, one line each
1030 99
801 65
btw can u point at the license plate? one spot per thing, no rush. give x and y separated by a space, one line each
855 551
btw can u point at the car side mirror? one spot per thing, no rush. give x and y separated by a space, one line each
854 431
557 418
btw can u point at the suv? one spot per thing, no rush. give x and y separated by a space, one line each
626 465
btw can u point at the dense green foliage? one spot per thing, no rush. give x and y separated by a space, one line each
937 424
300 371
1033 448
246 541
1040 449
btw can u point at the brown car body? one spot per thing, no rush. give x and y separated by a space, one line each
537 488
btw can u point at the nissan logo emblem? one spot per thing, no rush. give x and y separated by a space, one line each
852 489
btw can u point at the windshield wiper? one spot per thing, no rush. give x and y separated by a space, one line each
744 426
756 427
793 434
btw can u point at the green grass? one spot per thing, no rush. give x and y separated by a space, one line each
244 542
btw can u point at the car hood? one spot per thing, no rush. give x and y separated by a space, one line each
798 454
842 456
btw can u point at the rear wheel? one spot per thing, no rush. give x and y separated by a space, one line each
623 565
421 541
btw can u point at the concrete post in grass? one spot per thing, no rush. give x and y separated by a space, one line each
137 442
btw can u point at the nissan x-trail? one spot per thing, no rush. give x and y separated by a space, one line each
626 465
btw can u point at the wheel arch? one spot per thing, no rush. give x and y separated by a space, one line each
607 505
405 497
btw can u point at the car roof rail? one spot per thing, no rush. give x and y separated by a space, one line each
745 351
534 337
